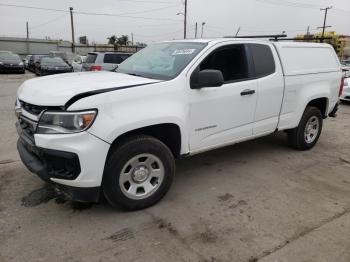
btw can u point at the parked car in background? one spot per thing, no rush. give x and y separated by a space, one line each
32 60
104 61
68 57
346 63
118 133
346 92
49 65
9 52
77 63
11 63
26 61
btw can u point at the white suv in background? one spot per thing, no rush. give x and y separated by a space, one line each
104 61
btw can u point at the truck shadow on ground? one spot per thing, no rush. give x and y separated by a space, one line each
241 153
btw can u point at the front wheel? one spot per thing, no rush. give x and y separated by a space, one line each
138 173
306 135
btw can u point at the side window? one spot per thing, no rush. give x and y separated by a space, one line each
113 58
264 63
230 60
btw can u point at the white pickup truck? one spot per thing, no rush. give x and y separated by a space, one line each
118 133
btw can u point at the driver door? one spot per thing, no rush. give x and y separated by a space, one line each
223 115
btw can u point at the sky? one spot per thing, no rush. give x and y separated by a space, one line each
156 20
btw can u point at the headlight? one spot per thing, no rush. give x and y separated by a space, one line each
1 63
21 63
65 122
18 109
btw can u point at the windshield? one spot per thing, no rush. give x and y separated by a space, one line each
9 57
52 61
162 61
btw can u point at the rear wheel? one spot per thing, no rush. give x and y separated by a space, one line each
138 173
306 135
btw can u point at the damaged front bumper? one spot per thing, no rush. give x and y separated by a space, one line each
36 160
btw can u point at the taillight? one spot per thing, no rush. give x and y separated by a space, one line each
95 68
341 86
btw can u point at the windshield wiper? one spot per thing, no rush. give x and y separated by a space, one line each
133 74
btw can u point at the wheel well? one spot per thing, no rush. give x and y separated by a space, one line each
320 103
169 134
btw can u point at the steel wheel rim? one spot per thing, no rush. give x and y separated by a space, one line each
311 129
141 176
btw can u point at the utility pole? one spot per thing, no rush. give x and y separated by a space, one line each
203 24
325 21
132 39
27 30
185 20
72 26
196 28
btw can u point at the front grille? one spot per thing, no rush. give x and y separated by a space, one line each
33 109
28 127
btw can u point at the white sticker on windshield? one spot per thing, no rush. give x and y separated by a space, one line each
184 52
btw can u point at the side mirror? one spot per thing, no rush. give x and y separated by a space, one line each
207 78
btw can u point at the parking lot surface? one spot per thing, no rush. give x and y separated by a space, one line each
255 201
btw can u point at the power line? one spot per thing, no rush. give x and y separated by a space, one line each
37 8
149 10
121 15
159 35
297 5
48 22
289 4
139 1
128 16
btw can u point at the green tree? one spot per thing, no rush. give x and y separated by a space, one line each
112 39
140 44
123 40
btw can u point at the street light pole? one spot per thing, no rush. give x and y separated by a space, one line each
203 24
185 20
27 26
196 29
72 26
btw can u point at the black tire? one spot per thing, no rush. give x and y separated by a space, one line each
124 152
37 72
296 136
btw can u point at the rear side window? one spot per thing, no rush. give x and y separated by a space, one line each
115 58
264 63
91 58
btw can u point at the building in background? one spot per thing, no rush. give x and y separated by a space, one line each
28 46
341 43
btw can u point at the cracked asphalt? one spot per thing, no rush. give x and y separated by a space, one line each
255 201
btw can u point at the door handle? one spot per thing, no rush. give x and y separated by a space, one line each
247 92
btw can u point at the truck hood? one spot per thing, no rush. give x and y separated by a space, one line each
57 90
